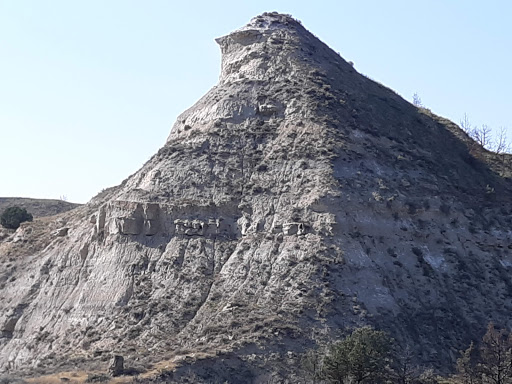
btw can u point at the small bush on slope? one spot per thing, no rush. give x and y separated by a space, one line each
12 217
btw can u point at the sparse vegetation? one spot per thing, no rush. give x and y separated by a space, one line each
490 362
365 356
485 137
370 356
416 100
37 207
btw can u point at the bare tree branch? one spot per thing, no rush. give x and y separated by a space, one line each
501 144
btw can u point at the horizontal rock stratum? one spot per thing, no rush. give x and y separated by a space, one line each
296 199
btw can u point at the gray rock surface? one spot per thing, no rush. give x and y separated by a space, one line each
293 200
116 367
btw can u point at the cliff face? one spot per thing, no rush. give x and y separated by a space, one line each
296 198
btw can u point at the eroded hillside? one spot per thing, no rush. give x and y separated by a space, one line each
293 200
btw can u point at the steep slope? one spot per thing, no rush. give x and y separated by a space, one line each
296 198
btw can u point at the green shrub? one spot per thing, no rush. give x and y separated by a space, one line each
362 357
12 217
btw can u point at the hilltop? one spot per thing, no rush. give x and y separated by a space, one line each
37 207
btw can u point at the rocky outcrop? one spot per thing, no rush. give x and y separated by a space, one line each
116 367
295 199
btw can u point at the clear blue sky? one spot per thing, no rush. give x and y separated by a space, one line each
90 89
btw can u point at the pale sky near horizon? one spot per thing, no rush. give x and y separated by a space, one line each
90 89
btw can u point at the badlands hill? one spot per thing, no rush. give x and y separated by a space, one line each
294 200
37 207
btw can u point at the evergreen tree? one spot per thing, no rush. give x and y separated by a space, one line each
12 217
362 357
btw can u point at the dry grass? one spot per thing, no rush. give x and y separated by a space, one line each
80 377
37 207
164 365
74 378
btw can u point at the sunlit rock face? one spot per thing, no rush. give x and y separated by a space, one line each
293 200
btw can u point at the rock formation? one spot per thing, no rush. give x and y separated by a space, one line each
116 366
295 199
